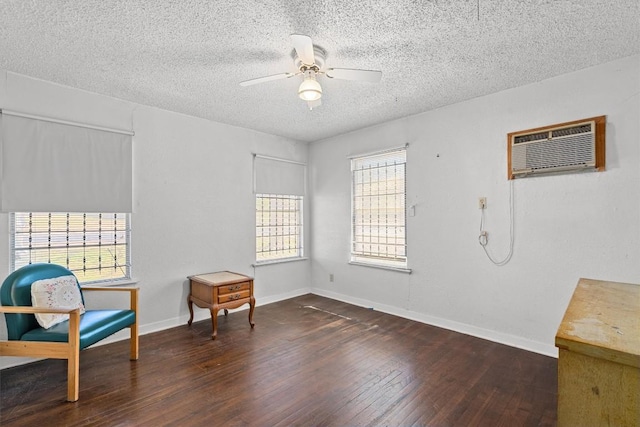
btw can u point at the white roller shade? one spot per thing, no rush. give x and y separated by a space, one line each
54 167
278 176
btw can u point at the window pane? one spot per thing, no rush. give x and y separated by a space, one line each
94 246
278 227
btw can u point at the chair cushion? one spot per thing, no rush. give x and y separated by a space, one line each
95 325
57 292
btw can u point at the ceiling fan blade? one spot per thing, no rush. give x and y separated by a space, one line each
304 48
352 74
267 79
314 104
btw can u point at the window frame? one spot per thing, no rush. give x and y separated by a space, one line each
279 223
377 258
72 234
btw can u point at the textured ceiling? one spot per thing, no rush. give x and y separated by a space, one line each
189 56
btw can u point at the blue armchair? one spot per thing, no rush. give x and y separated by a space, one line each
64 340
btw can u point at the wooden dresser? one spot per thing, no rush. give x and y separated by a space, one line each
599 356
220 290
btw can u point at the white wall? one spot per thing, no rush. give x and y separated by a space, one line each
193 200
566 226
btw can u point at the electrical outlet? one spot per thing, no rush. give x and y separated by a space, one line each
331 277
482 202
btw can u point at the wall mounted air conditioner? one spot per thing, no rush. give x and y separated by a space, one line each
565 147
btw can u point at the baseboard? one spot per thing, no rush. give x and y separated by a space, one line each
463 328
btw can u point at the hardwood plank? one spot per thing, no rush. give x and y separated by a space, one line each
309 361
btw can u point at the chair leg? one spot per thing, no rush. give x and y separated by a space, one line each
73 377
73 359
133 338
134 341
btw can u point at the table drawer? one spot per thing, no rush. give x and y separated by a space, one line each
234 296
235 288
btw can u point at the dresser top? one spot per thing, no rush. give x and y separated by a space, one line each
603 320
220 278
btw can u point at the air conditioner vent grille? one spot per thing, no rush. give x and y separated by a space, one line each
551 154
574 130
531 137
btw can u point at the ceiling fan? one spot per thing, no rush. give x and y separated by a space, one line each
309 61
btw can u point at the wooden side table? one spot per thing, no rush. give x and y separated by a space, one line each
220 290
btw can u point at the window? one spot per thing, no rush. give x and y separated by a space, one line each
378 231
278 227
94 246
279 186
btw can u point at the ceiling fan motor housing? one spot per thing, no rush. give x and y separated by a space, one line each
319 57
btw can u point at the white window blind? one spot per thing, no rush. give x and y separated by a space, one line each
378 228
278 176
54 167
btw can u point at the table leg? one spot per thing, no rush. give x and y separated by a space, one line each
214 322
190 304
252 304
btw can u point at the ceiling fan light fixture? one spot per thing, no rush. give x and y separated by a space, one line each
310 89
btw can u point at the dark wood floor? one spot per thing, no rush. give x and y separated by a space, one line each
309 361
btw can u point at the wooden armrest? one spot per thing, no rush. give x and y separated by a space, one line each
33 310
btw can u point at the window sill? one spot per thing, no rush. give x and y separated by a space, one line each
382 267
277 261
